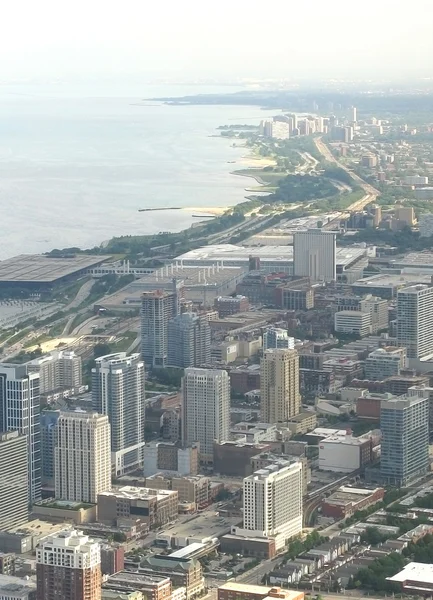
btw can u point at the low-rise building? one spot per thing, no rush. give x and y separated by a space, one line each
14 588
353 322
233 459
344 453
303 422
183 572
228 305
191 490
316 381
245 379
347 500
170 458
233 590
415 578
153 587
153 507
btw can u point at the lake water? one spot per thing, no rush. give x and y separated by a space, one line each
76 163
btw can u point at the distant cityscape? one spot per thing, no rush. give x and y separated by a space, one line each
241 411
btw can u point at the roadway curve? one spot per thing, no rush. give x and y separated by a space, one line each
371 193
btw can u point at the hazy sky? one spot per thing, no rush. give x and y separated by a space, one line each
216 38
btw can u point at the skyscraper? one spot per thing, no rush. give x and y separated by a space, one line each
20 411
118 391
157 308
277 338
49 420
205 409
279 386
314 254
68 566
404 422
60 369
272 501
14 482
189 339
414 320
82 458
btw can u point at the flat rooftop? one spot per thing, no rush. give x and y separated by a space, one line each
345 495
414 259
201 527
388 280
139 493
415 573
38 268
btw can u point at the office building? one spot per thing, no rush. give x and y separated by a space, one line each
414 320
14 484
272 502
20 411
205 409
426 224
378 309
277 338
58 370
189 341
385 362
279 386
157 308
118 391
152 506
404 422
82 458
314 254
353 322
49 420
68 566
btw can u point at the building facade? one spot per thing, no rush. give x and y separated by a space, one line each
49 420
68 566
279 386
61 369
14 483
277 338
118 391
385 362
82 456
314 254
414 319
205 409
20 411
189 341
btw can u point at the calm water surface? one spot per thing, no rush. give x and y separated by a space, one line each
76 163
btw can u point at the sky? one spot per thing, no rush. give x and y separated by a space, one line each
222 39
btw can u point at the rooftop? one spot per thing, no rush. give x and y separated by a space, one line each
39 268
15 586
415 573
139 493
390 280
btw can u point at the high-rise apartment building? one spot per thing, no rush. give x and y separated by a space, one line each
279 386
272 499
118 391
157 308
189 341
277 338
314 254
68 566
14 482
414 320
205 409
82 457
49 420
404 422
20 411
58 370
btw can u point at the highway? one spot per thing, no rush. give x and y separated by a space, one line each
371 193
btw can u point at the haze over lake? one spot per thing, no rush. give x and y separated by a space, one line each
76 163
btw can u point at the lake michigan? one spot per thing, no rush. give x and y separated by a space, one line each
77 162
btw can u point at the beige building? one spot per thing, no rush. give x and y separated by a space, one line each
154 507
194 489
279 386
303 423
58 370
82 456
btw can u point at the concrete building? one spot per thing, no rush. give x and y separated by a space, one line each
118 391
205 409
233 459
170 458
20 411
404 422
280 399
82 458
314 254
14 483
344 453
233 590
60 369
378 309
189 341
183 572
353 322
414 319
425 224
194 490
153 507
68 566
157 308
156 587
15 588
49 420
277 338
415 579
385 362
272 500
229 305
347 500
